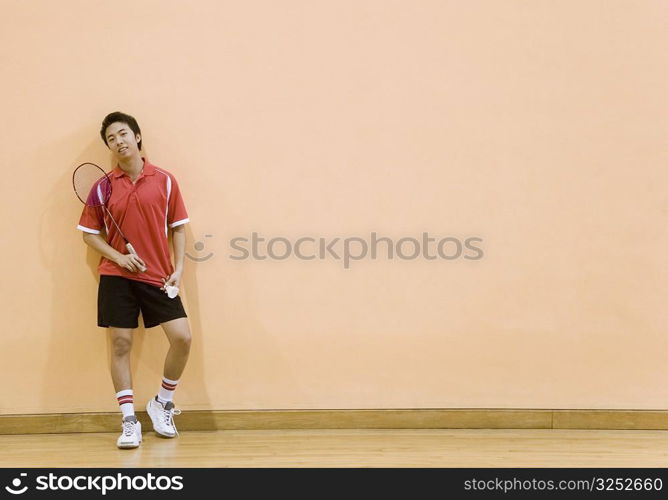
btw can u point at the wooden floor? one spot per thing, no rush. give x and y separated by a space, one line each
345 448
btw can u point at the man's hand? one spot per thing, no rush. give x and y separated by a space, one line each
131 262
173 280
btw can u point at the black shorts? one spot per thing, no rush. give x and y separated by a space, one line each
119 301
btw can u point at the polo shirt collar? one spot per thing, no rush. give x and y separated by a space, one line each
149 169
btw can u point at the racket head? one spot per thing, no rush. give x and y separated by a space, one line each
91 184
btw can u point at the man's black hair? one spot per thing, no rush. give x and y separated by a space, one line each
117 116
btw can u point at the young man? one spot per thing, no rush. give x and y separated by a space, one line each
145 202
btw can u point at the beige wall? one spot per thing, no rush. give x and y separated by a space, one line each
539 126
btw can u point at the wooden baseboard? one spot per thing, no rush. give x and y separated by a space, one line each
349 419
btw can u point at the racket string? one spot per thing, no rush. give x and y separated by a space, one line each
91 185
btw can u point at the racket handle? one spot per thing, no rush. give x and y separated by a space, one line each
132 250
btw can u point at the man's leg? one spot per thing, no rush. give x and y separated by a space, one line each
161 409
178 334
121 346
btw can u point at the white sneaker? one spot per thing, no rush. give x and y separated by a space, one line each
131 436
162 417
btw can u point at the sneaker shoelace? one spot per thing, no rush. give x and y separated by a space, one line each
169 417
128 428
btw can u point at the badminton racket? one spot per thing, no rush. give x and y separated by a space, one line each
93 187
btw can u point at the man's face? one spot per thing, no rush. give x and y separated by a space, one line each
122 141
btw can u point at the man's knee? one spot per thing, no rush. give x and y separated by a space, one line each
182 341
121 346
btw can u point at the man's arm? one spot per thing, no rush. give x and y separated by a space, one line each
179 246
127 261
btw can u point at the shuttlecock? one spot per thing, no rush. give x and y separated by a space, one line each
172 291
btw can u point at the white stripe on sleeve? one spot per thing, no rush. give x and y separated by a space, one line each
179 223
87 229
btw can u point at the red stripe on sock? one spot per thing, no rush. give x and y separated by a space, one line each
125 399
169 387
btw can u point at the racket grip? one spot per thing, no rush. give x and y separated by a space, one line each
132 250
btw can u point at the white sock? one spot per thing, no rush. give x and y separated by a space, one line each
167 389
126 402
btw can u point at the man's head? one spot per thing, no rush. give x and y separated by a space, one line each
121 131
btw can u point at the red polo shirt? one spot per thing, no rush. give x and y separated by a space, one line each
143 211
